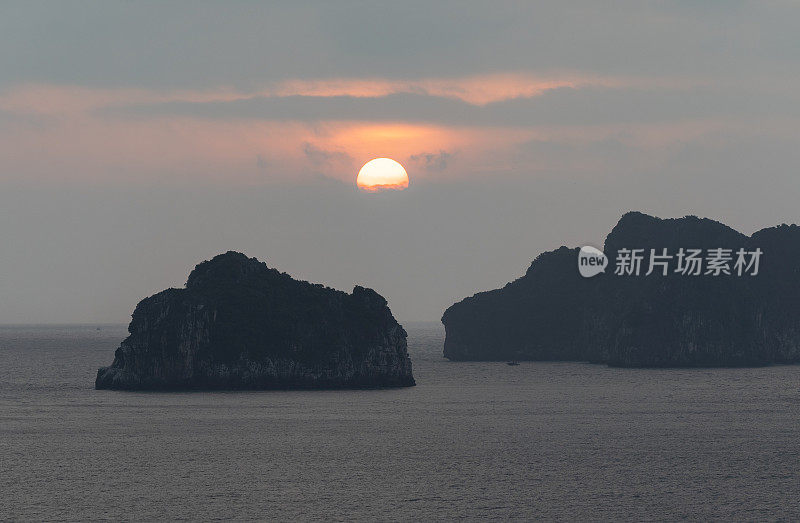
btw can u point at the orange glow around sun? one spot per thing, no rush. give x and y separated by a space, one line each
382 174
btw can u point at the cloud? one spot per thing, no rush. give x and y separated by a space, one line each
326 158
589 105
474 90
432 162
14 120
190 44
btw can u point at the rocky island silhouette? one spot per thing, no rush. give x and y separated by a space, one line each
665 319
241 325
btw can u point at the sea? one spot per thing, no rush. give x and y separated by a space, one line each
472 441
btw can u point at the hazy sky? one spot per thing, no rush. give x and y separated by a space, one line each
140 138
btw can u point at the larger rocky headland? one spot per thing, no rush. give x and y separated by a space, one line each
674 320
241 325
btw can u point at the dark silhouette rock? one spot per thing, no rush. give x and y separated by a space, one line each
241 325
673 320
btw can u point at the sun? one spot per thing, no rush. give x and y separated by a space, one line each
382 174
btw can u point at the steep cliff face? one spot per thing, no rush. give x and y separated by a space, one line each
552 313
535 317
240 325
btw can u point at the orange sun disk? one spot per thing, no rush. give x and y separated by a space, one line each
382 174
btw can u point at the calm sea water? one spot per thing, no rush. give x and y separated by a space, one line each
472 440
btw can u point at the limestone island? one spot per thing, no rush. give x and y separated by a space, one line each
713 313
240 325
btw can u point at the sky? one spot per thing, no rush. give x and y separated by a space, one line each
140 138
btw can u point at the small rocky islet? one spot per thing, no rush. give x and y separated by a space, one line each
239 324
552 313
